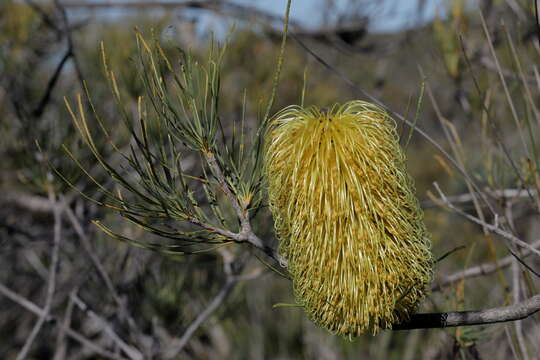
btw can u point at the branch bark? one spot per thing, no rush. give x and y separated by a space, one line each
513 312
246 233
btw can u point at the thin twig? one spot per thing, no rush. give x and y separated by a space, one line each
129 350
516 287
69 37
93 258
496 194
201 318
231 281
491 227
25 303
505 86
479 270
61 343
36 310
38 111
31 203
51 281
516 280
124 312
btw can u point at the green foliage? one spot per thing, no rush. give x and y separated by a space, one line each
179 115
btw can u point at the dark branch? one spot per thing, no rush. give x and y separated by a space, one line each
513 312
50 86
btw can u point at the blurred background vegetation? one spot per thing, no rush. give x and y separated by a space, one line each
468 77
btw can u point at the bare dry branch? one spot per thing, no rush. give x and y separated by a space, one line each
491 227
45 99
61 343
36 310
51 280
479 270
217 6
201 318
231 281
129 350
124 312
496 194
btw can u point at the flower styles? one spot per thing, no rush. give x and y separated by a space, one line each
346 215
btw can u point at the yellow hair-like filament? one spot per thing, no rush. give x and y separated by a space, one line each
346 215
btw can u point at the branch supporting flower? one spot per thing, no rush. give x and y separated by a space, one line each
246 233
513 312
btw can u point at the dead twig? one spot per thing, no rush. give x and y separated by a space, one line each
491 227
201 318
479 270
33 308
45 99
230 282
69 37
61 343
51 281
496 194
124 312
129 350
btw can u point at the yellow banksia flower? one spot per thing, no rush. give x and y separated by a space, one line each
346 215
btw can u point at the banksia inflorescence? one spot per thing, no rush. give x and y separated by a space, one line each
348 221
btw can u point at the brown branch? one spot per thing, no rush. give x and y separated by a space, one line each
513 312
45 99
32 203
348 35
61 343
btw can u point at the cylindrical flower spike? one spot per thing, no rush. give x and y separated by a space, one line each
346 215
